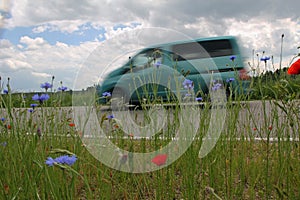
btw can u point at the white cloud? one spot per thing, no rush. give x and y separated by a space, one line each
11 65
33 44
5 44
42 28
41 74
39 60
259 26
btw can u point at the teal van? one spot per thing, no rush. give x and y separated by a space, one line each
171 71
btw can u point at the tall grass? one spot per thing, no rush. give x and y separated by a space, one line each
256 157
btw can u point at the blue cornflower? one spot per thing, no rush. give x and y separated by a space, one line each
110 117
61 159
65 159
157 64
50 162
62 88
41 98
36 97
33 105
188 84
229 80
106 94
216 86
199 99
5 91
70 160
232 58
4 144
30 110
44 97
265 58
2 119
46 86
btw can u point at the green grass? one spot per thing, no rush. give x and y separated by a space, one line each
238 167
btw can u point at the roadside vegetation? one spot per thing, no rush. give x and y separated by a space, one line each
43 157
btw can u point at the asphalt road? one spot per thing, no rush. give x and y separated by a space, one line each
254 119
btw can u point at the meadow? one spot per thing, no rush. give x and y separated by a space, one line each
43 157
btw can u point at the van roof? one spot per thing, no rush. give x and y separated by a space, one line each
193 40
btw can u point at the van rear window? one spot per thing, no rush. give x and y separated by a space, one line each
193 50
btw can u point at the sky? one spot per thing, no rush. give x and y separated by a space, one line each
78 42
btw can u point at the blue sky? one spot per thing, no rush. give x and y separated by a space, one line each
79 42
84 33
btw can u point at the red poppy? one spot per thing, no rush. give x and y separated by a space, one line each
160 159
255 129
116 126
72 124
270 128
8 126
294 68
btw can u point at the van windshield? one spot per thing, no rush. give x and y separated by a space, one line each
202 49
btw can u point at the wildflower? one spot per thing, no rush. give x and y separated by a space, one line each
44 97
36 97
30 110
71 124
106 94
216 86
5 91
255 129
3 144
270 128
50 161
232 58
229 80
46 86
8 126
2 119
294 68
157 64
265 58
199 99
65 159
110 117
62 88
41 98
160 159
188 84
33 105
116 126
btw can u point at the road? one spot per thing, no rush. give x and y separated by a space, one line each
253 119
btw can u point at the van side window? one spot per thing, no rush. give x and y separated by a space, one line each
202 49
146 59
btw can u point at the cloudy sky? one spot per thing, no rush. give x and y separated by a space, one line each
76 41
